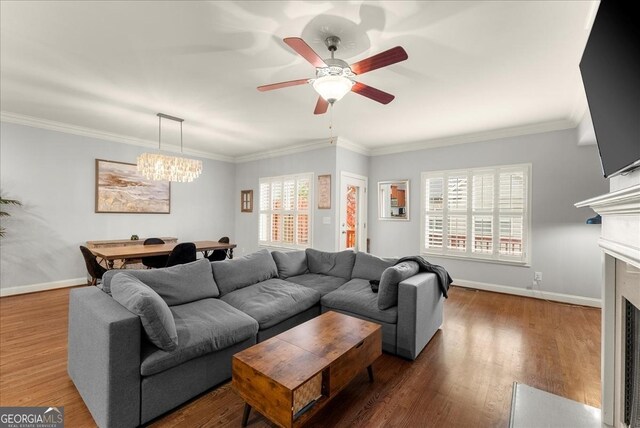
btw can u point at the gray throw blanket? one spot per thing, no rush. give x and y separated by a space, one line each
444 280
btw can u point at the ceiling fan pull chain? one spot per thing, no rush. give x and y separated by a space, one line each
331 123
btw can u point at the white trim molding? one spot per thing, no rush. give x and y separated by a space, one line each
354 147
535 128
43 286
51 125
536 294
477 137
284 151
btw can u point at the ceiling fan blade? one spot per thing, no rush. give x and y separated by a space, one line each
300 46
380 60
373 93
321 106
273 86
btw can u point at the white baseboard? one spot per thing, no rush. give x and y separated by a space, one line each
32 288
537 294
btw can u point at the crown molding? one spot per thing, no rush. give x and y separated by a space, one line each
51 125
296 148
495 134
289 150
354 147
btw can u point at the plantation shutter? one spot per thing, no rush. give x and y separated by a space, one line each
482 212
285 215
434 203
457 205
477 213
511 216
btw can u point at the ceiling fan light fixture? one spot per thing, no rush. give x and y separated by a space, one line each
332 88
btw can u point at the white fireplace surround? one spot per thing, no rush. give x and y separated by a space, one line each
620 242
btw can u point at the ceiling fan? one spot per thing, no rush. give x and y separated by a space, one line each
334 77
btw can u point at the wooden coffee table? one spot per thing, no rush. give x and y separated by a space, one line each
291 376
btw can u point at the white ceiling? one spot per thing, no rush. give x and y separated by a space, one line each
474 68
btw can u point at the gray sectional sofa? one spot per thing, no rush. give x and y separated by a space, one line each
146 341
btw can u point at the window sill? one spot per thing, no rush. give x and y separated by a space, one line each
477 259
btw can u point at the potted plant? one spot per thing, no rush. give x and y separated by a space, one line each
4 201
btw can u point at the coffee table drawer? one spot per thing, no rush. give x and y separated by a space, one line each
352 362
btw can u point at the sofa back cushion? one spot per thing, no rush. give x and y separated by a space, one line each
291 263
370 267
177 285
233 274
155 315
334 264
391 277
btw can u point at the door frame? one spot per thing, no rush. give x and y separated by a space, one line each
362 212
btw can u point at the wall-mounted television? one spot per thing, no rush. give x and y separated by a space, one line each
610 69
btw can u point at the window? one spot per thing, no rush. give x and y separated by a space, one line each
480 213
285 211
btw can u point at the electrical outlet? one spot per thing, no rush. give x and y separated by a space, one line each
537 276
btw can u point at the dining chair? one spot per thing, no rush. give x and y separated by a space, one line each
154 261
218 255
94 268
181 254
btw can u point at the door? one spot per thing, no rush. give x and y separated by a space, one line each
352 230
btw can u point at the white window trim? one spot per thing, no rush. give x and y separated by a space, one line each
271 245
468 254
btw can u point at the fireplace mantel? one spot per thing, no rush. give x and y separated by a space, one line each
619 240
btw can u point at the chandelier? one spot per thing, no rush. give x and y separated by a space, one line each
159 167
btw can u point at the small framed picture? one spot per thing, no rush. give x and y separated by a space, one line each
324 192
246 201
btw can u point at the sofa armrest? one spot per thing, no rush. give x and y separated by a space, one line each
420 304
104 357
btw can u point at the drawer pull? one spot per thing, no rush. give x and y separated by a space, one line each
360 344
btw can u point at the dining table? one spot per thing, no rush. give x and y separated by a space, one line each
110 254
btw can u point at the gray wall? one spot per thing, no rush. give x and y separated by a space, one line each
53 174
564 248
248 174
348 161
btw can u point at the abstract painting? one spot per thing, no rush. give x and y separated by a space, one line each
121 189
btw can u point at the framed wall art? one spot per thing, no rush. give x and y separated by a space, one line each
246 201
121 189
324 192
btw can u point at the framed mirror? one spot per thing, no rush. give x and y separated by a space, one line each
393 200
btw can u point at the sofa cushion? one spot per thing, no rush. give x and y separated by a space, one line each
321 283
357 298
391 277
232 274
176 284
203 327
291 263
334 264
154 313
272 301
370 267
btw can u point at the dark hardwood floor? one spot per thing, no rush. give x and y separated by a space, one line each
463 377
